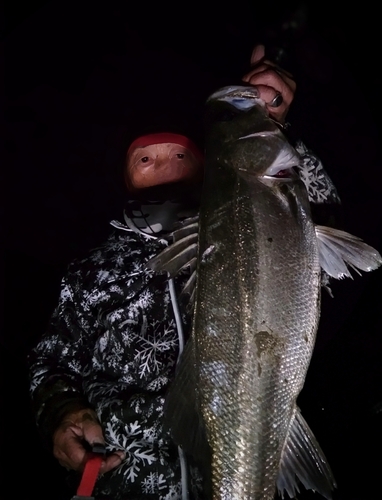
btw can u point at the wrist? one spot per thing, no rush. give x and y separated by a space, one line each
56 410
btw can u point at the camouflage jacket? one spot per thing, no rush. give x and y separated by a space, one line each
112 345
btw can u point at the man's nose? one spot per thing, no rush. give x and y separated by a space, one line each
160 161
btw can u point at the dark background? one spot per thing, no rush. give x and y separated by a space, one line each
82 80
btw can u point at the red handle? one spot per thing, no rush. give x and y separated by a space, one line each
89 475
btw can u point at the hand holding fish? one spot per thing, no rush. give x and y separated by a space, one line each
77 428
271 82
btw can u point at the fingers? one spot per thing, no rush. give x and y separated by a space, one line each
69 438
271 81
91 430
69 442
269 90
271 71
258 54
69 447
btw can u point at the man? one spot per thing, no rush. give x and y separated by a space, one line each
101 371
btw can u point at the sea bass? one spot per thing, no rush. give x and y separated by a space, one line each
257 260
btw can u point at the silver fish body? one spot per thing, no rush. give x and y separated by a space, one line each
256 316
256 308
256 312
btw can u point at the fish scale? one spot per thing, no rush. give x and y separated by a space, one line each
256 306
255 344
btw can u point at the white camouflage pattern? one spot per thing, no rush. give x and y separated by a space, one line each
317 182
113 340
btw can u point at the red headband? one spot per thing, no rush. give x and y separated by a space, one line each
182 140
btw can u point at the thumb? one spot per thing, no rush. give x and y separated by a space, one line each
92 432
258 53
85 424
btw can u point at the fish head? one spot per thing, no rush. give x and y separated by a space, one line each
241 135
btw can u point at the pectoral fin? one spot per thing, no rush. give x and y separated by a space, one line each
304 461
180 255
338 249
175 257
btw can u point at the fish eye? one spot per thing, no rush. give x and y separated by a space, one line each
227 115
180 155
223 112
145 159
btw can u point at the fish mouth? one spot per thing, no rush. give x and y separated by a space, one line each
235 91
240 96
283 175
286 175
283 166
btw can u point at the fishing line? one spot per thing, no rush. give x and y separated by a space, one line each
179 326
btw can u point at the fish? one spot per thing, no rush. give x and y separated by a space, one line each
256 261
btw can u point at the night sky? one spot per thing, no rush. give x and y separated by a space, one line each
82 80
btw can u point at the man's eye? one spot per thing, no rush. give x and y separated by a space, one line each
145 159
180 155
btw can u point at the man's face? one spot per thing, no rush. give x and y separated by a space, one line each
161 164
